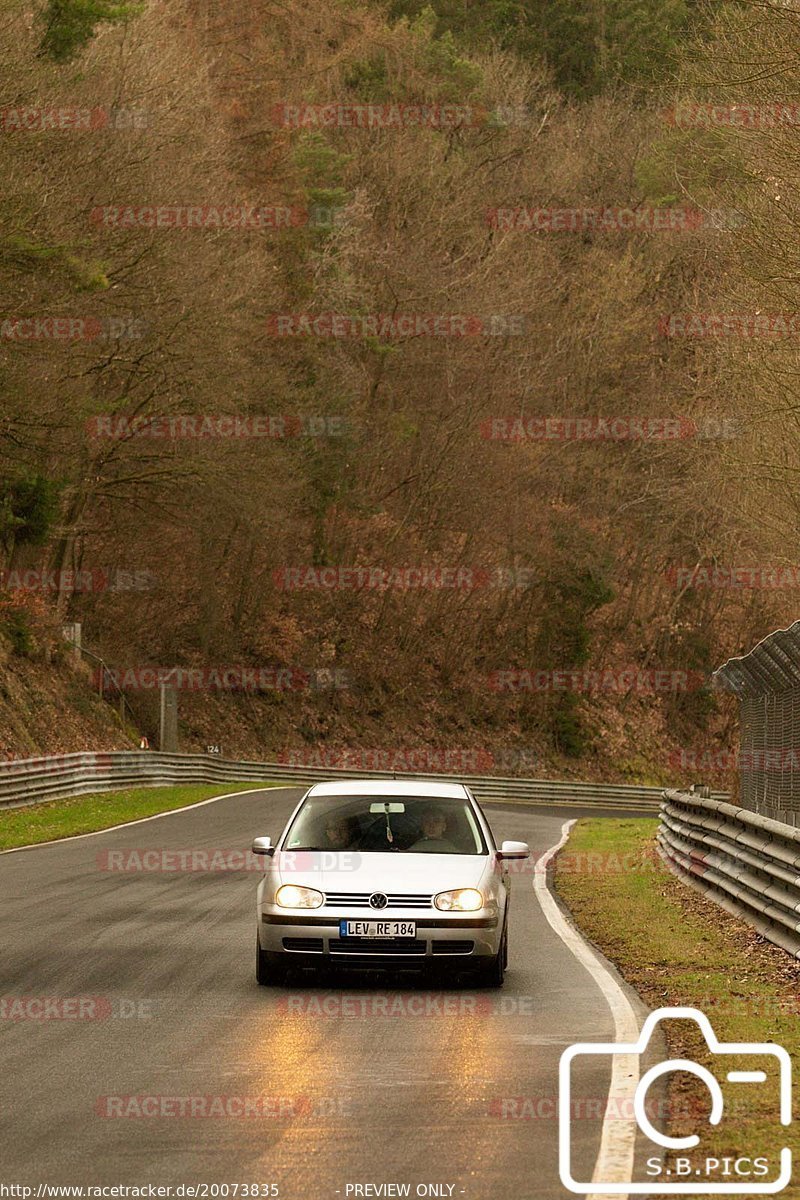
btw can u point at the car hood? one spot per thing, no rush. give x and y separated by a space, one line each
363 872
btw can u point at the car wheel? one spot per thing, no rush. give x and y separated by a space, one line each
267 970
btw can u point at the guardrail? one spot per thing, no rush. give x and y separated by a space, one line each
749 864
30 781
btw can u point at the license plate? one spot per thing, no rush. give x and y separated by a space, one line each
378 929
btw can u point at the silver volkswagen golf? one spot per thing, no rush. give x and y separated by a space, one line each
375 873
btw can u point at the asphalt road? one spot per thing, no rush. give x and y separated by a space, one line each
182 1070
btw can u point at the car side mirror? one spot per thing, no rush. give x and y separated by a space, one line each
514 850
263 846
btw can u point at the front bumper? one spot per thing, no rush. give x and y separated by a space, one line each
315 938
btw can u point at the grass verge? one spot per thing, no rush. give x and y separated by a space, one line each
87 814
675 947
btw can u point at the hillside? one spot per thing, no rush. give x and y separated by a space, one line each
49 706
290 295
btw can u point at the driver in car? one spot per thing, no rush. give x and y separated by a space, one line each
339 832
433 841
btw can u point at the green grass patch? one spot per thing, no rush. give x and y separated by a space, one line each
678 948
87 814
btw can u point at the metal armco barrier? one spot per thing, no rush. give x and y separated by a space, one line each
30 781
749 864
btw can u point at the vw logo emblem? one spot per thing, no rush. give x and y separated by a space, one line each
378 900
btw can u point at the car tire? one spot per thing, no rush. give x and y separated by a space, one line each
268 972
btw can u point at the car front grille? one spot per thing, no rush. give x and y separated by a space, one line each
361 900
377 946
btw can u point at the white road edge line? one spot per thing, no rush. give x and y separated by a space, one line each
615 1158
284 787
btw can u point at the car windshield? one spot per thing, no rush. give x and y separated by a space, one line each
385 825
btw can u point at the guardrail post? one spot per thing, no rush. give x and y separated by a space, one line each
168 725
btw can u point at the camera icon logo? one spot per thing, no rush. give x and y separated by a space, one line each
700 1173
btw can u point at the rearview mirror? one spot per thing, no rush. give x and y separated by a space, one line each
514 850
263 846
378 807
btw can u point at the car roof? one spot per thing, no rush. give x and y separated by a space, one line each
390 787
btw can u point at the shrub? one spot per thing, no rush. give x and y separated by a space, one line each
69 25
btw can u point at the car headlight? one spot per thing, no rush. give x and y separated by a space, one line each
459 900
293 896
